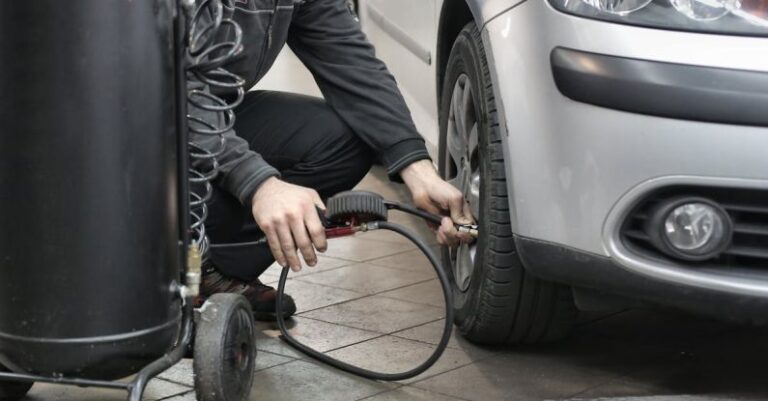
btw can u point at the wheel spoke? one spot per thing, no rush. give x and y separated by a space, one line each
472 141
457 107
461 147
467 107
457 145
464 265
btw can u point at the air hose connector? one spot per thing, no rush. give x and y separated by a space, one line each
194 274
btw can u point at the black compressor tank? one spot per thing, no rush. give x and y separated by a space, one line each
89 219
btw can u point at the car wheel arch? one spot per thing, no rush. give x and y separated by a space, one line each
454 16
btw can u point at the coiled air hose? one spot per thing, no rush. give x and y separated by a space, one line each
213 40
364 211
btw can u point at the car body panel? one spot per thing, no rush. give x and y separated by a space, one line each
570 162
382 19
573 169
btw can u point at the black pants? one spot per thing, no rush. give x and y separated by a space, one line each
309 144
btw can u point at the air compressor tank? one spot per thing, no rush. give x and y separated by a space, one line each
89 219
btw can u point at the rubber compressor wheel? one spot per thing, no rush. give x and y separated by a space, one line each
12 391
225 349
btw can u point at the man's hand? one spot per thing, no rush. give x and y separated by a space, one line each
288 216
433 194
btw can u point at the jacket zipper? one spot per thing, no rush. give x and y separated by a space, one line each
268 39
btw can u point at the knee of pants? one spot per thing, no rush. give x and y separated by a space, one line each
341 158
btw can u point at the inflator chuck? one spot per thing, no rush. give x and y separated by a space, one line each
357 211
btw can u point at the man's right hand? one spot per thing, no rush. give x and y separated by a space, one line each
288 216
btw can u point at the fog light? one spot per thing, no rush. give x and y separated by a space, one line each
694 229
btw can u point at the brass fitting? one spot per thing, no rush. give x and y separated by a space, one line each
194 273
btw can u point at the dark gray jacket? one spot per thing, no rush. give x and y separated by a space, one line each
327 39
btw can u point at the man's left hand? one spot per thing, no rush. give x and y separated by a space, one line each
433 194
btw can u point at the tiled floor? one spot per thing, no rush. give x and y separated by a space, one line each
373 301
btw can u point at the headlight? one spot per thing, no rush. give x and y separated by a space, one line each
740 17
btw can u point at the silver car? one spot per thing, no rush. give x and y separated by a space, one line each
614 152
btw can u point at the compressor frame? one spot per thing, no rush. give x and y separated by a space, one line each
186 293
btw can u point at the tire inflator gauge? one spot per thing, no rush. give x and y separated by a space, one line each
360 211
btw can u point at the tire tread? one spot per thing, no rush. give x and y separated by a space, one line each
513 307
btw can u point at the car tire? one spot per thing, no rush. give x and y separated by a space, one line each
496 300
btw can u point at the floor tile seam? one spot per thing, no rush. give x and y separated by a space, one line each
432 277
326 285
173 381
346 326
409 248
389 241
362 296
303 314
274 353
365 295
292 359
420 380
368 397
374 260
192 390
415 302
310 269
379 335
448 347
419 325
403 287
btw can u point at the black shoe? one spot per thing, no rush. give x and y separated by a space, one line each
263 298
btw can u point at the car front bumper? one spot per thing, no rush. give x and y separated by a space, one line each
598 114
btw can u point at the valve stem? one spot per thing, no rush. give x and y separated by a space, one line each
194 270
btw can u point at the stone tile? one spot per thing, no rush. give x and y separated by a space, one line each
383 236
414 224
272 274
307 381
266 360
365 278
393 355
676 398
518 376
310 296
621 388
159 389
189 396
414 261
320 335
407 393
431 332
429 293
378 181
268 340
156 390
358 249
377 313
181 373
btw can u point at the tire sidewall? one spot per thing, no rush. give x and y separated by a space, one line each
466 58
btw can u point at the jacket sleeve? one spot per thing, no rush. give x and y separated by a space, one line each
327 39
241 170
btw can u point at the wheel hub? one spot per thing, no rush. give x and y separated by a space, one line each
463 169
